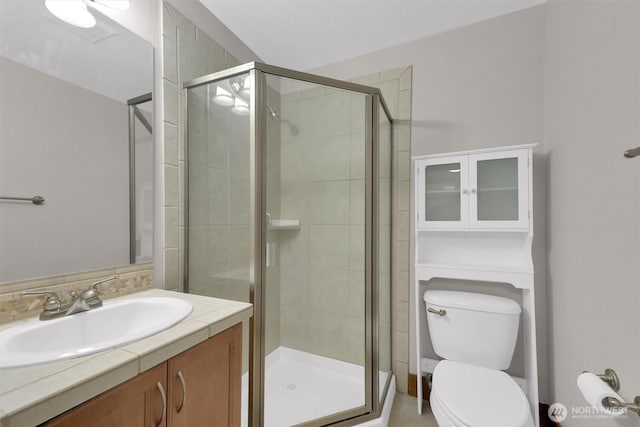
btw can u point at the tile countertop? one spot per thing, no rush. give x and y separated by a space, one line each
34 394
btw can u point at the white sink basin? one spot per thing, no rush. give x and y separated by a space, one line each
114 324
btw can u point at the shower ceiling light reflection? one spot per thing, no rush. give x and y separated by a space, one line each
235 93
76 13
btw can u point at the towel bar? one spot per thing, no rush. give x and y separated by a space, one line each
36 200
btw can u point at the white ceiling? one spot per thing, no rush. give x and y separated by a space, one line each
107 59
304 34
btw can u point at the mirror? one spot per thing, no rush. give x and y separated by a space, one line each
65 113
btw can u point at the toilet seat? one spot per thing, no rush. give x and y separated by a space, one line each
444 418
465 395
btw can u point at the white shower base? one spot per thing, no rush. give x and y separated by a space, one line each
301 387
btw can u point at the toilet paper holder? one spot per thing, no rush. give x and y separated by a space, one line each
611 378
635 406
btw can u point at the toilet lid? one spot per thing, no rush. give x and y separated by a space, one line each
480 397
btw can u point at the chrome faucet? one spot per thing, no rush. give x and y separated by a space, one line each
87 300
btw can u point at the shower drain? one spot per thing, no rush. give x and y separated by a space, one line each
291 387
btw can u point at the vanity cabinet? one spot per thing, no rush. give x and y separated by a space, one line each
201 387
474 191
138 402
205 383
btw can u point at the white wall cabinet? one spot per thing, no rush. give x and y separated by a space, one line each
473 223
484 190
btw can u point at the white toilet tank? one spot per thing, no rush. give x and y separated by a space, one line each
478 329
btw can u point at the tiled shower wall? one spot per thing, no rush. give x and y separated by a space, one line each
322 282
322 185
189 53
219 176
397 87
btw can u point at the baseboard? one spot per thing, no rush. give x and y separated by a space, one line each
412 387
412 390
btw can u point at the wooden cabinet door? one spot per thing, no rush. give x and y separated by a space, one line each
136 403
204 382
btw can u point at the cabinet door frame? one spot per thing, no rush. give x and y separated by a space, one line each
223 351
105 404
522 185
421 166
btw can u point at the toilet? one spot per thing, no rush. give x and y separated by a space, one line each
476 335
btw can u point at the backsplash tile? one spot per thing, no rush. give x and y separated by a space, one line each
129 279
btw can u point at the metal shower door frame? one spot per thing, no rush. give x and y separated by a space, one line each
134 113
258 230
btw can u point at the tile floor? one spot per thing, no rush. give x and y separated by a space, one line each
405 413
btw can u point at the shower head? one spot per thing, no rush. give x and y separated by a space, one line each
275 114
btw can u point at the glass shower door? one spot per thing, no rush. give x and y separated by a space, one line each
288 188
218 236
141 179
316 319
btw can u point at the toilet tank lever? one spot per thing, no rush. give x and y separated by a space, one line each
440 312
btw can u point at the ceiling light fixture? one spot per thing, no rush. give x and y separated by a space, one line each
120 5
75 12
72 12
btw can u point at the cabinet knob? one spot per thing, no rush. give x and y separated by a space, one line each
474 191
465 191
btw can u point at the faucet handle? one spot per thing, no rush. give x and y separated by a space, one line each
94 286
51 303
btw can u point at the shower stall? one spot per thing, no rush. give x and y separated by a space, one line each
288 206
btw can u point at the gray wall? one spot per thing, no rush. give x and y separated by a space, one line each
52 145
592 115
476 87
488 85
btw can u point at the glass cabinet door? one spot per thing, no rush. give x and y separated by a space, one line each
498 189
442 186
